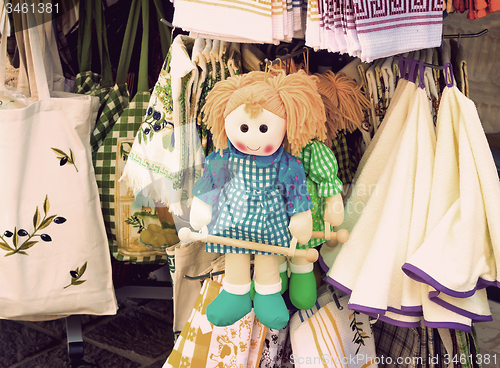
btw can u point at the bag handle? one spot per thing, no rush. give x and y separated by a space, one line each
84 35
42 85
143 81
129 38
128 42
86 13
102 43
3 45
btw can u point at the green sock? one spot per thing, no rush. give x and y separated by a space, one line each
284 281
302 292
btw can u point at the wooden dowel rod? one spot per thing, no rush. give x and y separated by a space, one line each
342 235
311 255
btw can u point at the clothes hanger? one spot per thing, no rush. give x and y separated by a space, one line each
286 57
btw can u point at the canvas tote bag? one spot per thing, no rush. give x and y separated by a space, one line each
54 257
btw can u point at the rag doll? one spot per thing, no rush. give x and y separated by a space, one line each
252 190
324 188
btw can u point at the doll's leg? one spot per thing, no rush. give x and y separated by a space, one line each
233 302
283 270
328 252
302 286
269 306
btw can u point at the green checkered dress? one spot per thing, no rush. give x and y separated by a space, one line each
259 195
320 166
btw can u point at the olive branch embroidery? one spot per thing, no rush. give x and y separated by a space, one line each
76 275
38 224
64 158
136 222
359 335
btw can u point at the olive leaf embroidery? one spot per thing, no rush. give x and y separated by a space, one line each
64 158
76 275
39 223
359 335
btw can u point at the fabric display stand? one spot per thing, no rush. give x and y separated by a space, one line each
402 109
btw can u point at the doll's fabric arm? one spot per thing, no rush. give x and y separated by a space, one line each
293 180
208 187
322 168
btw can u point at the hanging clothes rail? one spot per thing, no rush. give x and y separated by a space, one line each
467 35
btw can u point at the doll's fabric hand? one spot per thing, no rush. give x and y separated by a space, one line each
201 214
301 226
334 210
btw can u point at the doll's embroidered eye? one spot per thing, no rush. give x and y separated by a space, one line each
244 128
263 128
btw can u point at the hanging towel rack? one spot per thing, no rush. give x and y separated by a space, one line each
467 35
205 276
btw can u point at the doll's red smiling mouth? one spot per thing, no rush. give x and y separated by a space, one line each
253 149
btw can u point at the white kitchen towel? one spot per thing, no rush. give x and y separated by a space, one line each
393 28
164 157
459 256
248 19
392 224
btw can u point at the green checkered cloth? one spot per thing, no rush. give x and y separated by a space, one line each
347 165
116 148
320 166
254 196
105 169
113 101
250 207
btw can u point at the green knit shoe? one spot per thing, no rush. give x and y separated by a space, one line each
228 308
302 286
270 309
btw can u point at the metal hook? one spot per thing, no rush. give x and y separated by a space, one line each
448 73
402 66
421 70
335 299
170 25
306 59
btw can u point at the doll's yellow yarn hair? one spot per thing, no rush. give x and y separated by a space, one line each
346 95
326 130
292 97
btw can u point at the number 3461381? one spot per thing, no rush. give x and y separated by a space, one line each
38 8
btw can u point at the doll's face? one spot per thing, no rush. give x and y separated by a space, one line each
261 135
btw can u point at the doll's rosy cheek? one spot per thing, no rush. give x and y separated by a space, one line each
269 149
240 146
